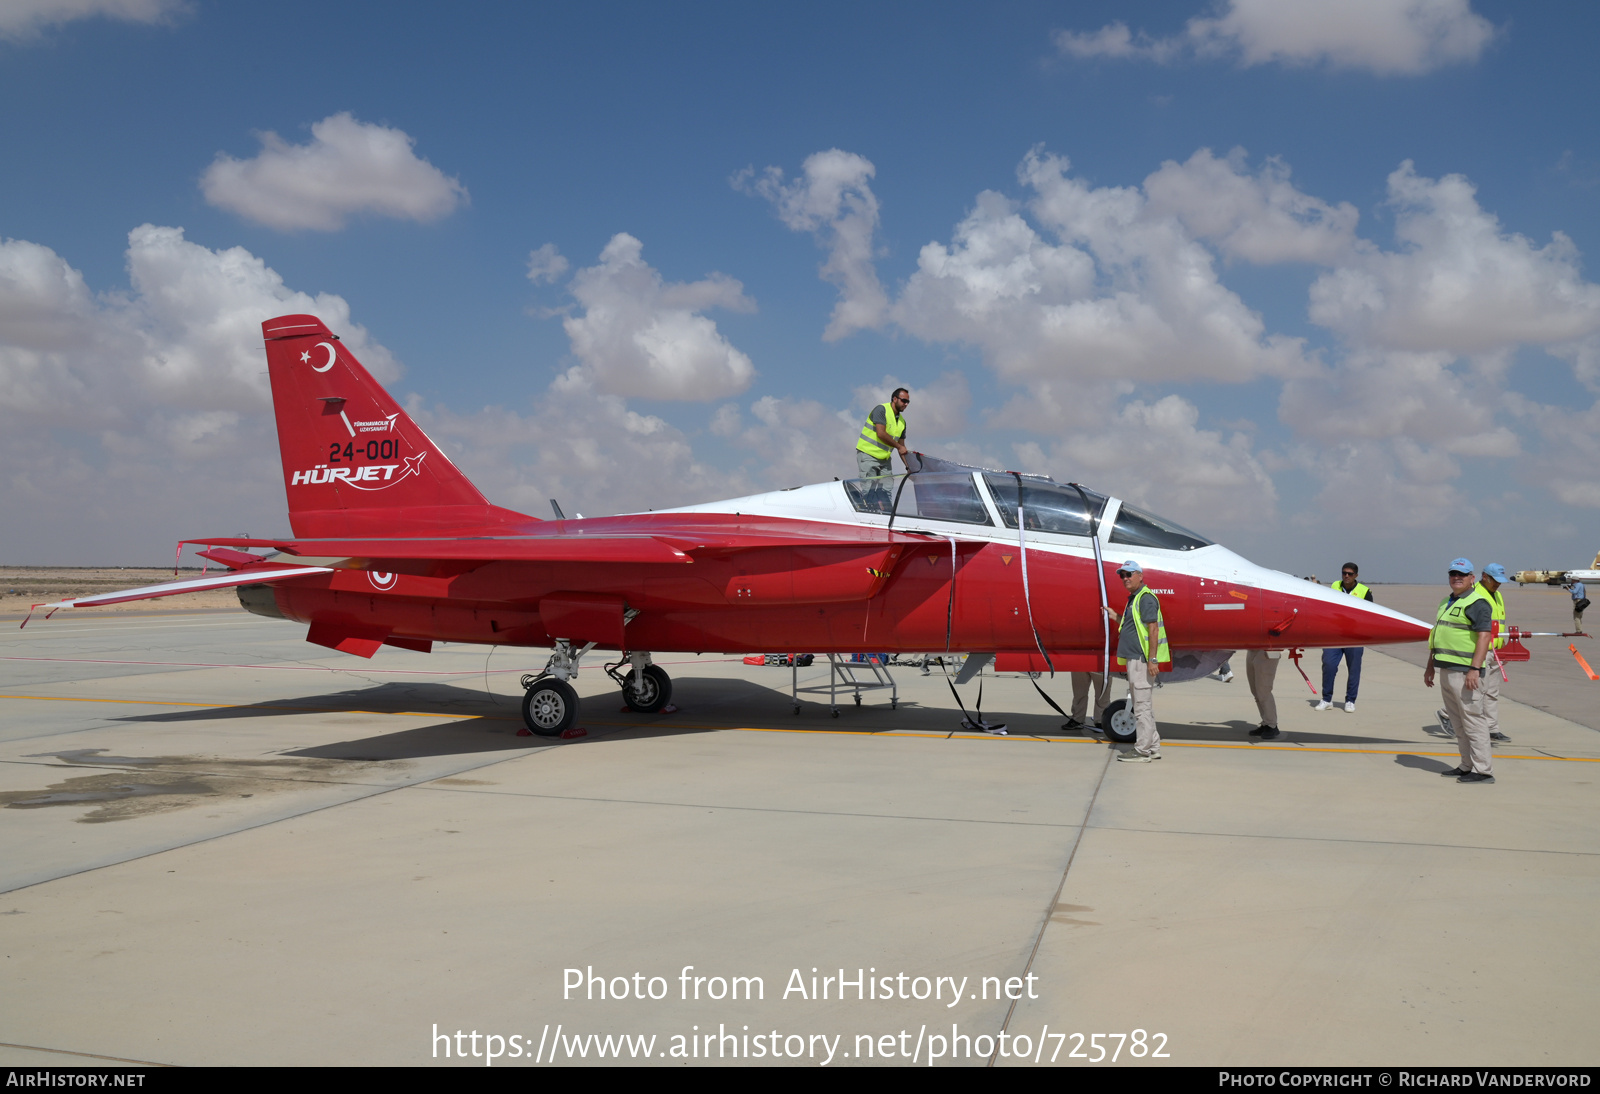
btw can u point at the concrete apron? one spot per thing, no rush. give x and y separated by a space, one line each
1323 899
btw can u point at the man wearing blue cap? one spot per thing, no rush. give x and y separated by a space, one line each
1457 648
1142 647
1494 575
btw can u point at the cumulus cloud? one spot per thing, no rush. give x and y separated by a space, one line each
22 20
1568 450
546 265
939 407
1155 455
1459 282
1394 484
644 337
581 446
1261 219
1104 288
145 411
1376 396
1386 37
348 168
833 200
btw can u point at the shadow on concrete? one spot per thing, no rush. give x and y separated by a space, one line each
426 742
1428 764
389 698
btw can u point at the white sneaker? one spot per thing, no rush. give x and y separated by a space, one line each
1324 705
1228 679
1349 708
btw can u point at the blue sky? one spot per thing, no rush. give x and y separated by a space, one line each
1312 282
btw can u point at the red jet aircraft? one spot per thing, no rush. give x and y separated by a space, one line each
392 545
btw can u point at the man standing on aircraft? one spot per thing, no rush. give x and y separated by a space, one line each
1349 585
884 430
1135 646
1457 647
1494 674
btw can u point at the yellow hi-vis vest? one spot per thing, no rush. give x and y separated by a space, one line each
1359 592
1163 655
1453 641
1497 605
893 425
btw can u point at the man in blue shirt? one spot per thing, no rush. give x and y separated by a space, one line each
1580 601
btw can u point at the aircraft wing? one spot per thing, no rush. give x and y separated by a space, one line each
261 573
667 546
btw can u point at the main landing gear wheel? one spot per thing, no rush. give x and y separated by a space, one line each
1118 722
550 707
650 696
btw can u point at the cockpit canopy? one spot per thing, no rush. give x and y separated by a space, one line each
954 496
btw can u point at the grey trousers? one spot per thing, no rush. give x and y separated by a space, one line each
1466 715
1141 689
871 467
1259 672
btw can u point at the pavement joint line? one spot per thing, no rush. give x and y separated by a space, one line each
737 808
1341 839
1049 912
940 736
85 1055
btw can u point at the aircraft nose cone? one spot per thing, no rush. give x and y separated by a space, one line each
1355 624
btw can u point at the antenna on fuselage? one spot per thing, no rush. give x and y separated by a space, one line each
556 505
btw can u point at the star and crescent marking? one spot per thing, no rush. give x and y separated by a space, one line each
333 355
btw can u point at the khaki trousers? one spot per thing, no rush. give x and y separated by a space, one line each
1259 672
1141 690
1466 715
1493 676
1081 682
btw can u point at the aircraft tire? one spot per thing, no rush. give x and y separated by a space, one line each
1118 722
656 693
550 707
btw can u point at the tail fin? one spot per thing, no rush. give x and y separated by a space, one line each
354 463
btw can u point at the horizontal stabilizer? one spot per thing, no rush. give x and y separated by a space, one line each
227 556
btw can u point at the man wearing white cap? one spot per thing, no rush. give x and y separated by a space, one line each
1142 647
1494 575
1458 646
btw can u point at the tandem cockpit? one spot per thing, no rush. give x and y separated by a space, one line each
966 500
